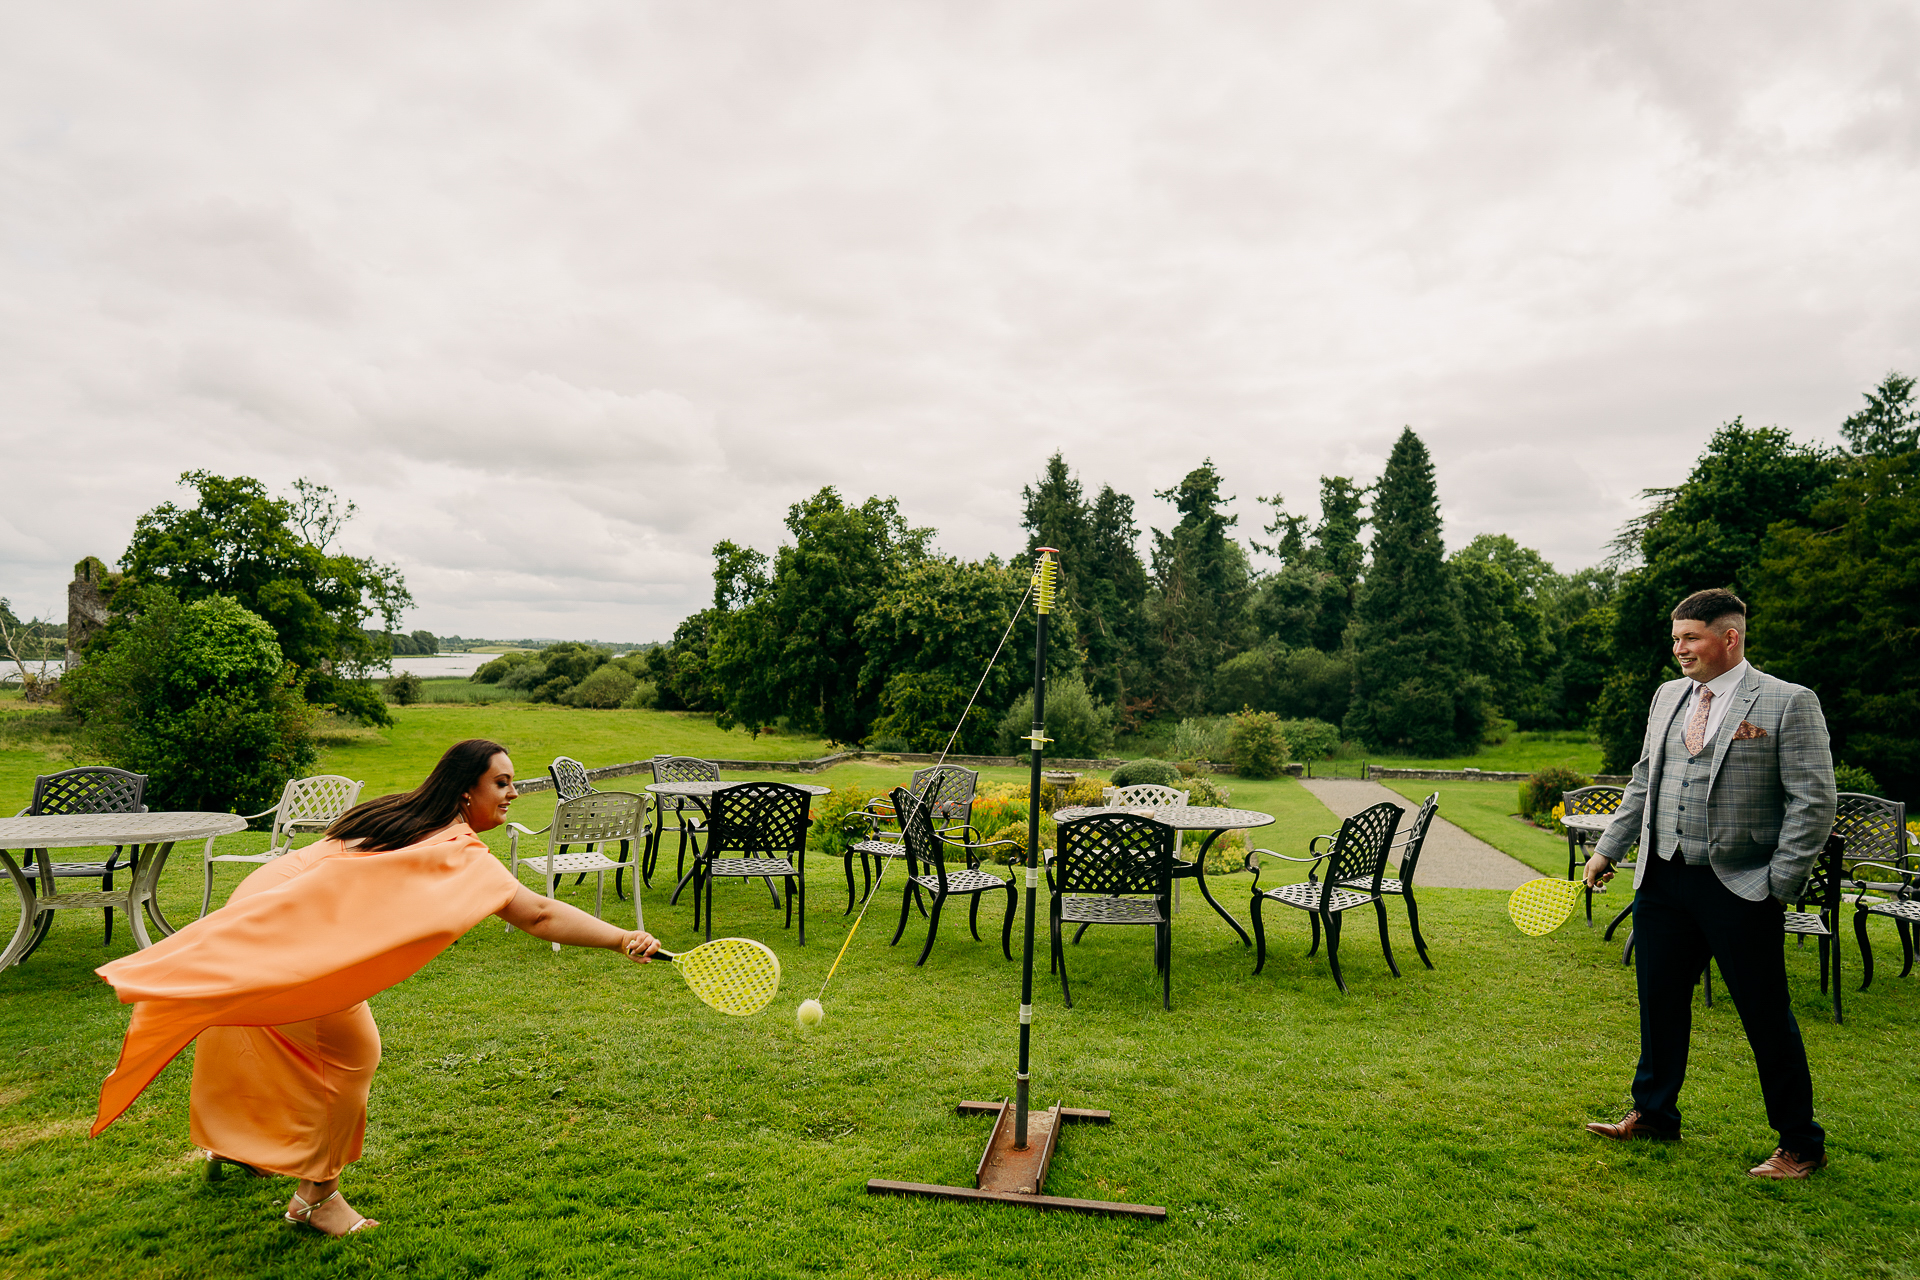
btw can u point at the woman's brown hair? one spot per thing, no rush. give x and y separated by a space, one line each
396 821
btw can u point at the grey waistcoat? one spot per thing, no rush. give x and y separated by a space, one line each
1680 798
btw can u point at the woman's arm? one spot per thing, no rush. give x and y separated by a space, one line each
553 921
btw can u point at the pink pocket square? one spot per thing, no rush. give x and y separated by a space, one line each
1748 729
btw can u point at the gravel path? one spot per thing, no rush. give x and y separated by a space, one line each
1451 858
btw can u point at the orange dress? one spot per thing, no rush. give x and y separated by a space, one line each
275 985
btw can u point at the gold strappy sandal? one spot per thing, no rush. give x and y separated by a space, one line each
303 1215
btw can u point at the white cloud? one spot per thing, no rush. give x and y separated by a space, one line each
561 295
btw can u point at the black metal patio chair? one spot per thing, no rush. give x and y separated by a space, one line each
1587 800
1114 868
1358 855
948 789
688 813
765 823
927 874
1881 858
1405 855
88 789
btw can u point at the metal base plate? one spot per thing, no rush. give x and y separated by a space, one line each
1007 1175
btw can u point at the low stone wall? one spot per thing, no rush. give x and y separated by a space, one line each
827 762
1377 773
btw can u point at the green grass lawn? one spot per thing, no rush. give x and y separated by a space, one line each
1486 809
571 1115
1520 753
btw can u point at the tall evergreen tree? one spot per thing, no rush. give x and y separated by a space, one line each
1102 579
1202 587
1707 532
1411 691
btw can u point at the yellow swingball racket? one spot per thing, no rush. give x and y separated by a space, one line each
734 975
1543 905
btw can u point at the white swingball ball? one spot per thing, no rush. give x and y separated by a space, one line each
812 1013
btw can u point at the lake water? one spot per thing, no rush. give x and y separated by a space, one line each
442 664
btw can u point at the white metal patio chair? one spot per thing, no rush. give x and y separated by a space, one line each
305 805
596 820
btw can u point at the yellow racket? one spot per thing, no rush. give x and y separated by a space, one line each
1543 905
734 975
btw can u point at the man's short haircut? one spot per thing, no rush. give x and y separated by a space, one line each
1717 607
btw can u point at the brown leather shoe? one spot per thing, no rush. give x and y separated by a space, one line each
1784 1164
1634 1125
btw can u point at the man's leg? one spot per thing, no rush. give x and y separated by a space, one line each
1671 949
1749 944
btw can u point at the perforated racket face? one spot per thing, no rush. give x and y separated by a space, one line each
1543 905
734 975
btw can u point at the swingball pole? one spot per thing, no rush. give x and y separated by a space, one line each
1013 1168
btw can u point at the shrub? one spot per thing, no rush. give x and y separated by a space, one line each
497 670
1496 731
405 688
1204 793
605 689
1080 725
889 744
1255 745
1310 739
645 696
524 675
1200 739
1850 777
829 812
1137 772
1543 790
196 696
551 690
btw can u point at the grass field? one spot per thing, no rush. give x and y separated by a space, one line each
546 1115
542 1114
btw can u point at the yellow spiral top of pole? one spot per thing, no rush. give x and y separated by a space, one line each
1046 579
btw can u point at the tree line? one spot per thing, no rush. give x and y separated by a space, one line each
858 629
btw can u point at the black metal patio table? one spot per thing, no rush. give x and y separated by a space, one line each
1214 821
152 837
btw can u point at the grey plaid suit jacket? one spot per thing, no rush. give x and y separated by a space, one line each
1770 798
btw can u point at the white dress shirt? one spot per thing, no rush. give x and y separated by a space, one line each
1721 685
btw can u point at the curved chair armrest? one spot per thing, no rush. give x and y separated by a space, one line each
249 817
973 846
1311 843
1253 864
1908 881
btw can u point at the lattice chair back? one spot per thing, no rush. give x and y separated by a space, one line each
1596 799
949 789
312 803
1359 853
1875 829
1415 837
1147 795
570 780
599 817
759 819
90 789
916 832
682 769
1105 854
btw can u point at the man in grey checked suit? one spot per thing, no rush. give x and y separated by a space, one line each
1731 803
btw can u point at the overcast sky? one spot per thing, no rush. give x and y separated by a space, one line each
561 294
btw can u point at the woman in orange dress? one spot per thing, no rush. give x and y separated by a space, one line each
275 983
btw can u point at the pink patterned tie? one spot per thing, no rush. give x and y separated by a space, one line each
1697 722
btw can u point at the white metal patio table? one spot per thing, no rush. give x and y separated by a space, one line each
151 836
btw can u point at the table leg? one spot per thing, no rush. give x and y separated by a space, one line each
154 856
1200 877
23 930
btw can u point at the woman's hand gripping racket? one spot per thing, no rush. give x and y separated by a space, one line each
734 975
1541 906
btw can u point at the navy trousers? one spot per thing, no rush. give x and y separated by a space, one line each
1681 916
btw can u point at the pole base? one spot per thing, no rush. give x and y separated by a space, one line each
1009 1175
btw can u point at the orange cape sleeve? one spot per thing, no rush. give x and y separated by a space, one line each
308 934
